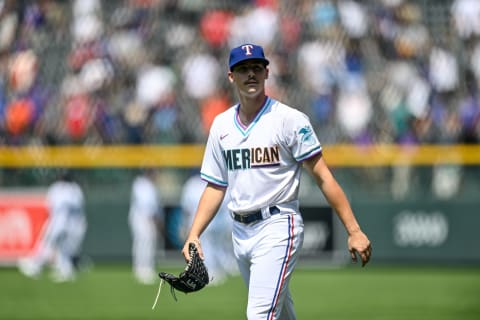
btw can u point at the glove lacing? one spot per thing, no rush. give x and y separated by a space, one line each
158 293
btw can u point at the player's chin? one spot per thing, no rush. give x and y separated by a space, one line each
252 91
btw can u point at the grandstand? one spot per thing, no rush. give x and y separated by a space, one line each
142 72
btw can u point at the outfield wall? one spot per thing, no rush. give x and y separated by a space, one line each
430 231
402 232
418 227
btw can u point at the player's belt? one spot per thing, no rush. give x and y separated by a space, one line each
254 215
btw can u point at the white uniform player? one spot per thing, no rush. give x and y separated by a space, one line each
217 239
257 149
146 216
64 234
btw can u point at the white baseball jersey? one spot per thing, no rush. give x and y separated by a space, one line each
144 198
63 235
261 163
191 193
217 238
65 198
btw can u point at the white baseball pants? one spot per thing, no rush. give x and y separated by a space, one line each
267 252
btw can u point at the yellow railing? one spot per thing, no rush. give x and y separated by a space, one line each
184 156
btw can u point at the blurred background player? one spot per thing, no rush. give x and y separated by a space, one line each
62 240
146 220
217 238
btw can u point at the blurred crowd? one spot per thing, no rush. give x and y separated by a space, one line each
154 71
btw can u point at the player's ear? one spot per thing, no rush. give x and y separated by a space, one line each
266 72
230 76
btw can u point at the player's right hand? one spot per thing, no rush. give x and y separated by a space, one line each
186 250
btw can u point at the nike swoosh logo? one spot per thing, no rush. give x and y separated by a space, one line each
223 136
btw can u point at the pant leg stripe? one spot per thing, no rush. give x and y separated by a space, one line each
286 260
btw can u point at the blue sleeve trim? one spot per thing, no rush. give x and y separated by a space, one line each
310 154
213 180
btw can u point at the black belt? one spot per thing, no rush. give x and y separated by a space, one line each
254 215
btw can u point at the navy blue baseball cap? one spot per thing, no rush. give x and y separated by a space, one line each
245 52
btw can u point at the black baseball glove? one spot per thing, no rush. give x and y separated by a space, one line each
193 278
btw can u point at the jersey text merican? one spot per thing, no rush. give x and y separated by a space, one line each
256 157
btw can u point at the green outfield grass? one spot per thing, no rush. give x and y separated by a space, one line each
383 293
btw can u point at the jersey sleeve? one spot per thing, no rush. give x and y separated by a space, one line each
302 139
214 168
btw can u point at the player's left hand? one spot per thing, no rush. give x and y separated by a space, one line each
358 243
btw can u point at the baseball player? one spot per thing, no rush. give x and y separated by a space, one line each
63 238
255 152
217 239
146 220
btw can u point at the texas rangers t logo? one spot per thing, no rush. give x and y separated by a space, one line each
248 49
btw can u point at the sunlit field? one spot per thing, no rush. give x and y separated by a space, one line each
384 293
